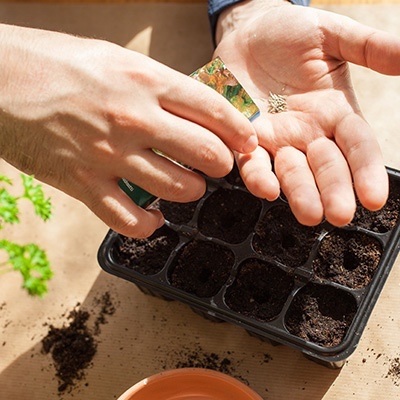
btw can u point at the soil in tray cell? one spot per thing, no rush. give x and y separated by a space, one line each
201 268
260 290
177 213
279 236
347 257
383 220
229 215
147 256
321 314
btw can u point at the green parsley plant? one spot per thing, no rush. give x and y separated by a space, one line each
30 260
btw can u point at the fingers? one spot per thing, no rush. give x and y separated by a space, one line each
255 170
363 45
361 149
192 145
199 103
322 181
119 213
333 179
162 177
298 183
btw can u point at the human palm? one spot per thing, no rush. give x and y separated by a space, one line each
321 146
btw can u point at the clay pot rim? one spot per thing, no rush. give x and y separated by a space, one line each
205 380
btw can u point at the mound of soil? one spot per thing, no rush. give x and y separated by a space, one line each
73 346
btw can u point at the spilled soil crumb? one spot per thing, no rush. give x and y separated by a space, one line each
197 357
73 346
107 308
394 371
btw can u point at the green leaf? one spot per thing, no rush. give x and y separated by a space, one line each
8 208
31 261
5 179
34 193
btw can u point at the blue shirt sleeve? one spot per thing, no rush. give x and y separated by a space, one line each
215 7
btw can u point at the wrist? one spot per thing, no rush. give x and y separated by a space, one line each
241 13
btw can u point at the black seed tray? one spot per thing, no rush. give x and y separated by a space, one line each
233 257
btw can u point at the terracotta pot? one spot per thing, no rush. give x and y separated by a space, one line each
190 384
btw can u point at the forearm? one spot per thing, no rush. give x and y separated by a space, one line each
12 58
34 64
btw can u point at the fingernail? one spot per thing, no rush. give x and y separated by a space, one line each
251 144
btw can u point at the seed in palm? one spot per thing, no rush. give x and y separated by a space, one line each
276 103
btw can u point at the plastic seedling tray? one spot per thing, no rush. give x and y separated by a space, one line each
236 258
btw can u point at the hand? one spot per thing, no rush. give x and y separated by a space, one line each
80 114
322 144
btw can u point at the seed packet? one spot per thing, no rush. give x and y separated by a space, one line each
216 75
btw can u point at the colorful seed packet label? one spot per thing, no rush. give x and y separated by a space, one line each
216 75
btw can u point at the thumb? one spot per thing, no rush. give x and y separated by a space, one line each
349 40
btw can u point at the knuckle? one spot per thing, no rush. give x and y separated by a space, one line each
218 112
130 225
212 156
185 187
123 225
120 221
208 153
176 190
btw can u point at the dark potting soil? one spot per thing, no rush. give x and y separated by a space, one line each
321 314
147 256
260 290
107 308
234 177
73 346
177 213
394 371
279 236
201 359
383 220
197 357
202 268
347 257
229 215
